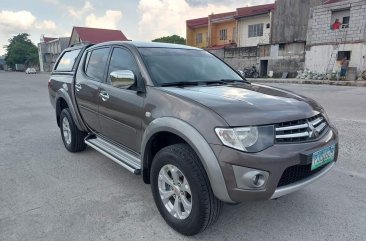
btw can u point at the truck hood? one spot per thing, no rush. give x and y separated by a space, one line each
249 104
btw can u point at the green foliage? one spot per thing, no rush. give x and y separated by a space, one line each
21 51
174 39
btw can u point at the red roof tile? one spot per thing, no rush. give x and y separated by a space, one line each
192 23
98 35
254 10
222 15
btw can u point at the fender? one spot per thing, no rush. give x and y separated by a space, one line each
197 142
62 93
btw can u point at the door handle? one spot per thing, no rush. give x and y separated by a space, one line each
78 86
104 95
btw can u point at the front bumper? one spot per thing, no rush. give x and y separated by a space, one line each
274 161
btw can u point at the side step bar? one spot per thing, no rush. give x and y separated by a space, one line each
121 156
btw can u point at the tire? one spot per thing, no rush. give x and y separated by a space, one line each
72 137
205 207
255 75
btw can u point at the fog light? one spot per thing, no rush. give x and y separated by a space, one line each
248 178
259 180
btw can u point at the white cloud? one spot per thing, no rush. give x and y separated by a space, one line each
110 19
46 25
166 17
79 13
15 22
11 22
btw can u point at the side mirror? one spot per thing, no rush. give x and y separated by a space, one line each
122 78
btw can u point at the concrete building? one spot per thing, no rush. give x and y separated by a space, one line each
197 32
327 46
222 29
286 51
95 35
254 25
48 51
214 31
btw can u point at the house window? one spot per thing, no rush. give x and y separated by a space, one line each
281 46
255 30
345 22
268 25
199 38
340 19
342 54
223 34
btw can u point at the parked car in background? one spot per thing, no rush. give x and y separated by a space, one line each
30 71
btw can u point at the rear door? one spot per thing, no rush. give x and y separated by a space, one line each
121 112
87 85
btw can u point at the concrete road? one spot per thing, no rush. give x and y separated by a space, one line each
47 193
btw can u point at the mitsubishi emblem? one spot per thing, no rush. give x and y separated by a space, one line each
313 132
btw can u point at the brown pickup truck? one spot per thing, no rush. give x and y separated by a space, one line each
190 125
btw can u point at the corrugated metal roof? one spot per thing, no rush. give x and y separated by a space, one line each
98 35
254 10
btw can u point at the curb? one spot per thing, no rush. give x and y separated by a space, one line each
311 82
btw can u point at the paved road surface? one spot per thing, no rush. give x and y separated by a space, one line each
47 193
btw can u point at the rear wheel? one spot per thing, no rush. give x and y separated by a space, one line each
182 191
72 137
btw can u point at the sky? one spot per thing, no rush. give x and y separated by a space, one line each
142 20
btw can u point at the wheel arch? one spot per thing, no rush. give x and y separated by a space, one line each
63 100
181 132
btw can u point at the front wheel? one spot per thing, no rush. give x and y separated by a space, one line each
182 191
72 137
255 75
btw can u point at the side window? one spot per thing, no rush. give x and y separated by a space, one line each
67 60
122 60
96 65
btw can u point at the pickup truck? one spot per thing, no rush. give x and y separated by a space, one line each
190 125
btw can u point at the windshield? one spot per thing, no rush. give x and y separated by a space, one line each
167 65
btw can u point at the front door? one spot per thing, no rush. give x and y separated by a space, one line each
121 108
87 85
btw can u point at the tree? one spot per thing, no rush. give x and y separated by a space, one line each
174 39
21 51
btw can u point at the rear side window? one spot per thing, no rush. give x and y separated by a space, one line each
96 62
67 60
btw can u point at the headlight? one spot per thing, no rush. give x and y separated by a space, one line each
248 139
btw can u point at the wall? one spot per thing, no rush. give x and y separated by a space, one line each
191 37
317 58
238 58
288 58
215 32
290 20
244 40
319 31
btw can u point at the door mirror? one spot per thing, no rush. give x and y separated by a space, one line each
122 78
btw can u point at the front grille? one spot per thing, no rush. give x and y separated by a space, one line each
296 173
301 130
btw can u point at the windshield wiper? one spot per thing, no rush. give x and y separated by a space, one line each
181 83
193 83
234 80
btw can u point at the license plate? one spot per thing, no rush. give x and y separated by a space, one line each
322 157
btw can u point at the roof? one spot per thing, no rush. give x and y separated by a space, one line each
221 16
143 44
99 35
254 10
198 22
48 39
